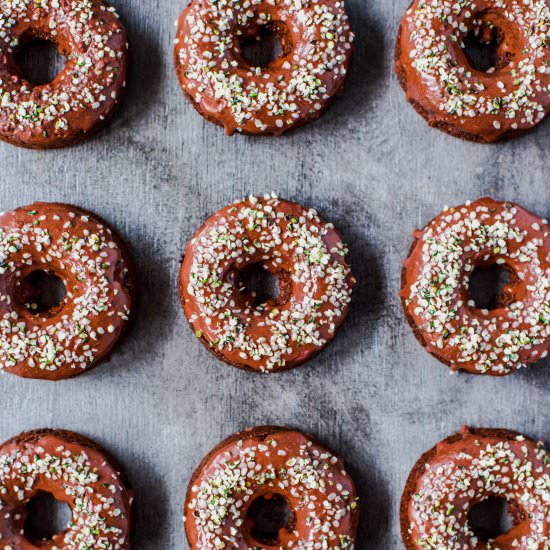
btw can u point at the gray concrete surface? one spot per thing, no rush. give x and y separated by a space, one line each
373 167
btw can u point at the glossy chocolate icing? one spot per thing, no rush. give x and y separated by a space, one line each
435 282
449 92
84 95
74 470
289 91
263 462
95 268
466 469
303 251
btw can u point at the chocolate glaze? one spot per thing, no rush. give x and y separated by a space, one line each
435 278
466 469
84 95
291 90
74 470
95 267
453 96
321 496
303 251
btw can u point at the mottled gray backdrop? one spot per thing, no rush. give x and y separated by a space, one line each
373 167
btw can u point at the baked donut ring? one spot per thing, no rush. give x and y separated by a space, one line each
278 467
302 251
84 95
435 287
466 469
93 263
449 92
74 470
291 90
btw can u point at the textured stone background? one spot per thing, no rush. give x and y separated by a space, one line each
373 167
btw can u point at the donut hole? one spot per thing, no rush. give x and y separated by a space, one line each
258 285
490 518
482 46
266 516
39 60
266 45
487 284
42 292
46 517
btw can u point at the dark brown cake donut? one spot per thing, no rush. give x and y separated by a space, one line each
274 465
302 251
95 267
436 276
291 90
84 95
444 87
470 467
73 470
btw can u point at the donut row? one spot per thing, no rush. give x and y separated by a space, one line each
274 488
308 264
442 80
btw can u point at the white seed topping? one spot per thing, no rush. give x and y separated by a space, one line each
262 98
451 246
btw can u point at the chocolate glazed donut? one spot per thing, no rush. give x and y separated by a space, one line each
84 95
75 471
272 468
308 259
93 263
435 287
291 90
468 468
453 96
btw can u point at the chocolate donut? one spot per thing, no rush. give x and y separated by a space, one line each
291 90
452 95
273 466
95 267
466 469
83 96
73 470
302 251
436 276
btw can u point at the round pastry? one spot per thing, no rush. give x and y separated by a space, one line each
93 264
74 470
306 256
449 92
291 90
435 287
83 96
271 488
466 469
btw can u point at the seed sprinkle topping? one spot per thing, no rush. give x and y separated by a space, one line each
94 42
92 489
267 99
438 271
291 242
464 474
509 97
319 492
85 255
